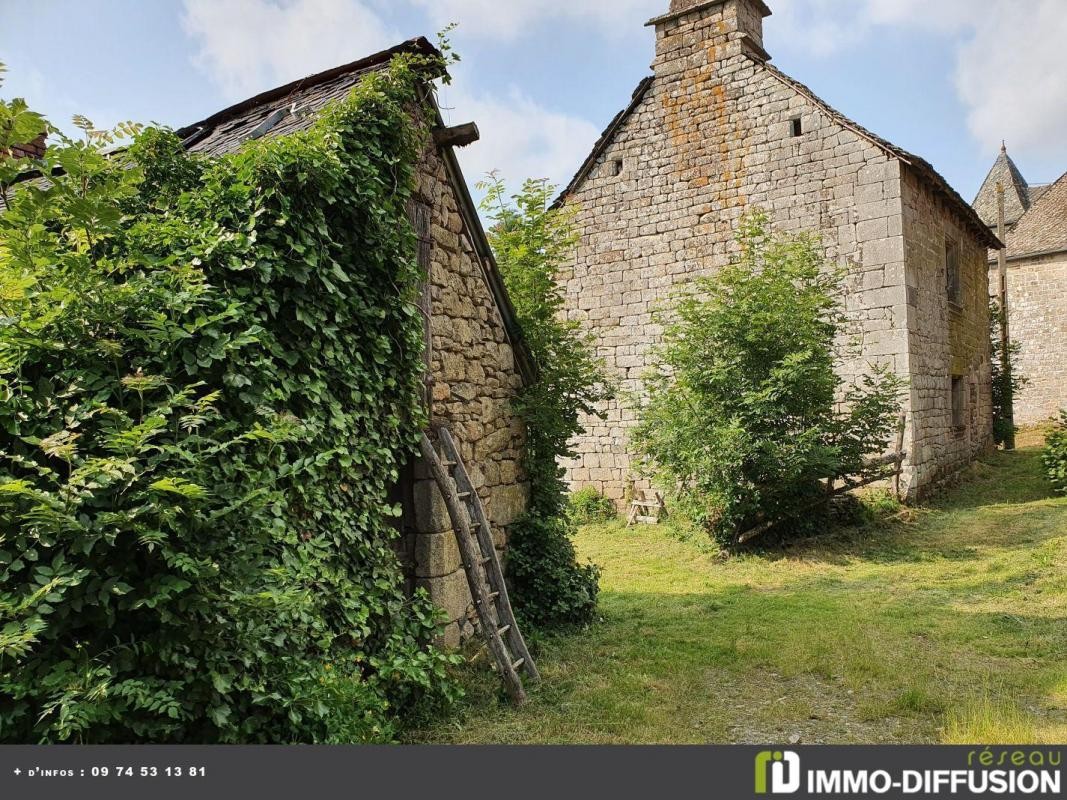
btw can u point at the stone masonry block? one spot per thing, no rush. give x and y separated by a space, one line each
436 554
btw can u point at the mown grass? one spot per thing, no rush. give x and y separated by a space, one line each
948 623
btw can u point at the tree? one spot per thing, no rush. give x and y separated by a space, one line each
1006 386
532 241
745 418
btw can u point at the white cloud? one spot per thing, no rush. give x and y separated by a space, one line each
945 16
520 137
248 46
1008 73
817 27
506 19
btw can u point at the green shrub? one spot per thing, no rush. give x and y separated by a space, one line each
1055 456
554 589
587 505
742 423
532 241
1006 385
209 379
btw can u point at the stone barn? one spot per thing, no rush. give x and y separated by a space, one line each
716 130
476 360
1035 219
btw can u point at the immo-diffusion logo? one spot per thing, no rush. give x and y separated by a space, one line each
1019 772
784 771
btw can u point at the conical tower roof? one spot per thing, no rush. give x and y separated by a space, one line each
1016 192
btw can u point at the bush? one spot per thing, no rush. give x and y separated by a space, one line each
210 377
1055 456
532 241
587 506
742 422
554 589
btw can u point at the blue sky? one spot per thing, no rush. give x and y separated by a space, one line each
947 79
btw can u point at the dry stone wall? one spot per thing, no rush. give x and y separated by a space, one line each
717 133
474 381
1037 304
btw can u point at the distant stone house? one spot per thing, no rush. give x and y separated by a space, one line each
715 131
476 360
1036 253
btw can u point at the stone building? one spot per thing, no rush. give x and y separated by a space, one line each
717 130
1036 240
476 360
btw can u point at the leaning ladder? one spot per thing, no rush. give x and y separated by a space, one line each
480 562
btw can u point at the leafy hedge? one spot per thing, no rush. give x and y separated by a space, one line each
1006 385
209 379
587 506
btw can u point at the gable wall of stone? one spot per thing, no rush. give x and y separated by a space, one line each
710 140
475 381
1037 303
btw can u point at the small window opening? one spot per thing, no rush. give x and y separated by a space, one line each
952 272
798 127
959 402
616 167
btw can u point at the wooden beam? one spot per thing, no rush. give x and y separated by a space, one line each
457 136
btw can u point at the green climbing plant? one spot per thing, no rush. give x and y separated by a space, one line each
209 379
532 241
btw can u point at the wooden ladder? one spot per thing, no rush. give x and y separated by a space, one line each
480 562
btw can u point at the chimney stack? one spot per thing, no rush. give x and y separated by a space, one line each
698 33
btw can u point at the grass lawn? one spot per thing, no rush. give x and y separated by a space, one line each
949 625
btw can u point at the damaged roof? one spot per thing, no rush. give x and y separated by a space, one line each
288 108
294 106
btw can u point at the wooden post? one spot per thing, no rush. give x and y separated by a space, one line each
457 136
1005 336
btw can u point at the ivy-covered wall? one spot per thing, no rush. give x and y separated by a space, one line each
210 380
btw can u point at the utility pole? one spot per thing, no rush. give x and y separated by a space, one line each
1005 337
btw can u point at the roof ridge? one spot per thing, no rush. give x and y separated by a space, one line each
417 45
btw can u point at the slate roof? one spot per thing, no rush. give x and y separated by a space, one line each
288 108
1042 229
921 167
1018 196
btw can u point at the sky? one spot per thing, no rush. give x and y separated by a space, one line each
946 79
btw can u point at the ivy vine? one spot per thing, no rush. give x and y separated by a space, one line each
209 380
